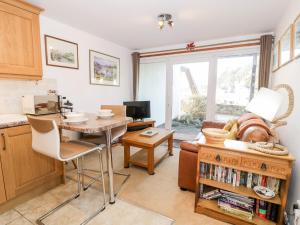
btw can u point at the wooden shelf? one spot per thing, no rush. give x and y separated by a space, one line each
240 190
211 208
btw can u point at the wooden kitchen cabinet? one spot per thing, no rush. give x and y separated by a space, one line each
2 187
24 169
20 47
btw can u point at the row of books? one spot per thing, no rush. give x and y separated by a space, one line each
237 178
241 206
266 210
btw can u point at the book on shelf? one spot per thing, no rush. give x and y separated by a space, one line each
236 204
237 177
239 205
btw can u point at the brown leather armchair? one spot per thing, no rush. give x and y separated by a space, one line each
250 129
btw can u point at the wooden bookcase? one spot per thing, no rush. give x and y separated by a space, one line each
236 155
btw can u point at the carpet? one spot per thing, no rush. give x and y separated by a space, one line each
124 213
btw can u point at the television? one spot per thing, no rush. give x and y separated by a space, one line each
138 109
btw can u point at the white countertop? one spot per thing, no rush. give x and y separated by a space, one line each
11 120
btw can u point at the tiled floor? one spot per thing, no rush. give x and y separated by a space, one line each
158 193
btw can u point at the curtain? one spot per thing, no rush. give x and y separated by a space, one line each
266 42
136 72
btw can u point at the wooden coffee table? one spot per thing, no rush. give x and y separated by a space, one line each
147 144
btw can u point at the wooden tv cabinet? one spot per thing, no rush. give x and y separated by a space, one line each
141 123
236 155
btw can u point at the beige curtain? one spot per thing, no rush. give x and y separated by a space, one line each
266 42
136 73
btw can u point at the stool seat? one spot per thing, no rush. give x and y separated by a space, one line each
74 149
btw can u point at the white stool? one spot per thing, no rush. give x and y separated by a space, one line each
46 140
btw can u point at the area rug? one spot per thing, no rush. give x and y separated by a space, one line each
124 213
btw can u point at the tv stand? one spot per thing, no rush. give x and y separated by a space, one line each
140 124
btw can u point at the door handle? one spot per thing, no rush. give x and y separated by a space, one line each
4 144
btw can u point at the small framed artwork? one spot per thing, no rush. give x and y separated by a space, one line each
275 57
296 37
61 53
285 47
104 69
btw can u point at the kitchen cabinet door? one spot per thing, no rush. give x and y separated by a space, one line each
20 55
2 187
23 168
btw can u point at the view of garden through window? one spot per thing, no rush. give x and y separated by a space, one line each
217 88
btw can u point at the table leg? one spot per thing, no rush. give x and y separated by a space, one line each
109 167
170 145
126 155
151 161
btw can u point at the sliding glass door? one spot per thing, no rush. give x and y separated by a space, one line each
237 81
152 87
185 90
189 102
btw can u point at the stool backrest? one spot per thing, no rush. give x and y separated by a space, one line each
118 110
45 137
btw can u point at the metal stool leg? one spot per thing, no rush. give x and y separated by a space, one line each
39 220
79 186
103 189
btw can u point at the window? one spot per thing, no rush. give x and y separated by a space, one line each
237 82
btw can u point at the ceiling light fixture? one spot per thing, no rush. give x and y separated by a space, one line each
163 19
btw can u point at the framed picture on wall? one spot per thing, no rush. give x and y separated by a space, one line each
296 37
104 69
285 47
275 57
61 53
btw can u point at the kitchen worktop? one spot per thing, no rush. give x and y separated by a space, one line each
12 120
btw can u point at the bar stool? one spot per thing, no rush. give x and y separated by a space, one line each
116 134
46 141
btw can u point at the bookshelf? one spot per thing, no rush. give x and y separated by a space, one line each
236 155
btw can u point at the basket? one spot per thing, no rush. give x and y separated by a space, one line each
215 135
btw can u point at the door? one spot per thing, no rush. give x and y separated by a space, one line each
23 168
20 55
152 87
189 98
2 187
237 82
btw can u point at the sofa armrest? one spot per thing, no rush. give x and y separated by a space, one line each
212 124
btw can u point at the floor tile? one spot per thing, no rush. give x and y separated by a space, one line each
9 216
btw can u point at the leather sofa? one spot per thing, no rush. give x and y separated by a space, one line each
254 130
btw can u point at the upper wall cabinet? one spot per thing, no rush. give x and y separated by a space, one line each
20 48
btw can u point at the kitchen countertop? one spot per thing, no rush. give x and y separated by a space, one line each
12 120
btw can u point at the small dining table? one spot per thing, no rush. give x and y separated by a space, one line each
92 126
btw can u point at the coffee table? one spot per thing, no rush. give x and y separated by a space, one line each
147 144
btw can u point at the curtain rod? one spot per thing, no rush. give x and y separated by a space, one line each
219 46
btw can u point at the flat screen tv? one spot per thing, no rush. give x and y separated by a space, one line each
138 109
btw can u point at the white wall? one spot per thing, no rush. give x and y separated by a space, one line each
72 83
290 74
75 84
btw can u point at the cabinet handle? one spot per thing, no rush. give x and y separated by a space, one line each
218 158
4 144
263 167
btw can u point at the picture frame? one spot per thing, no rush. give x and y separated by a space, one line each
285 47
296 37
104 69
275 57
61 53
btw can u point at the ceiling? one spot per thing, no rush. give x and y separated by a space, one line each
133 23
